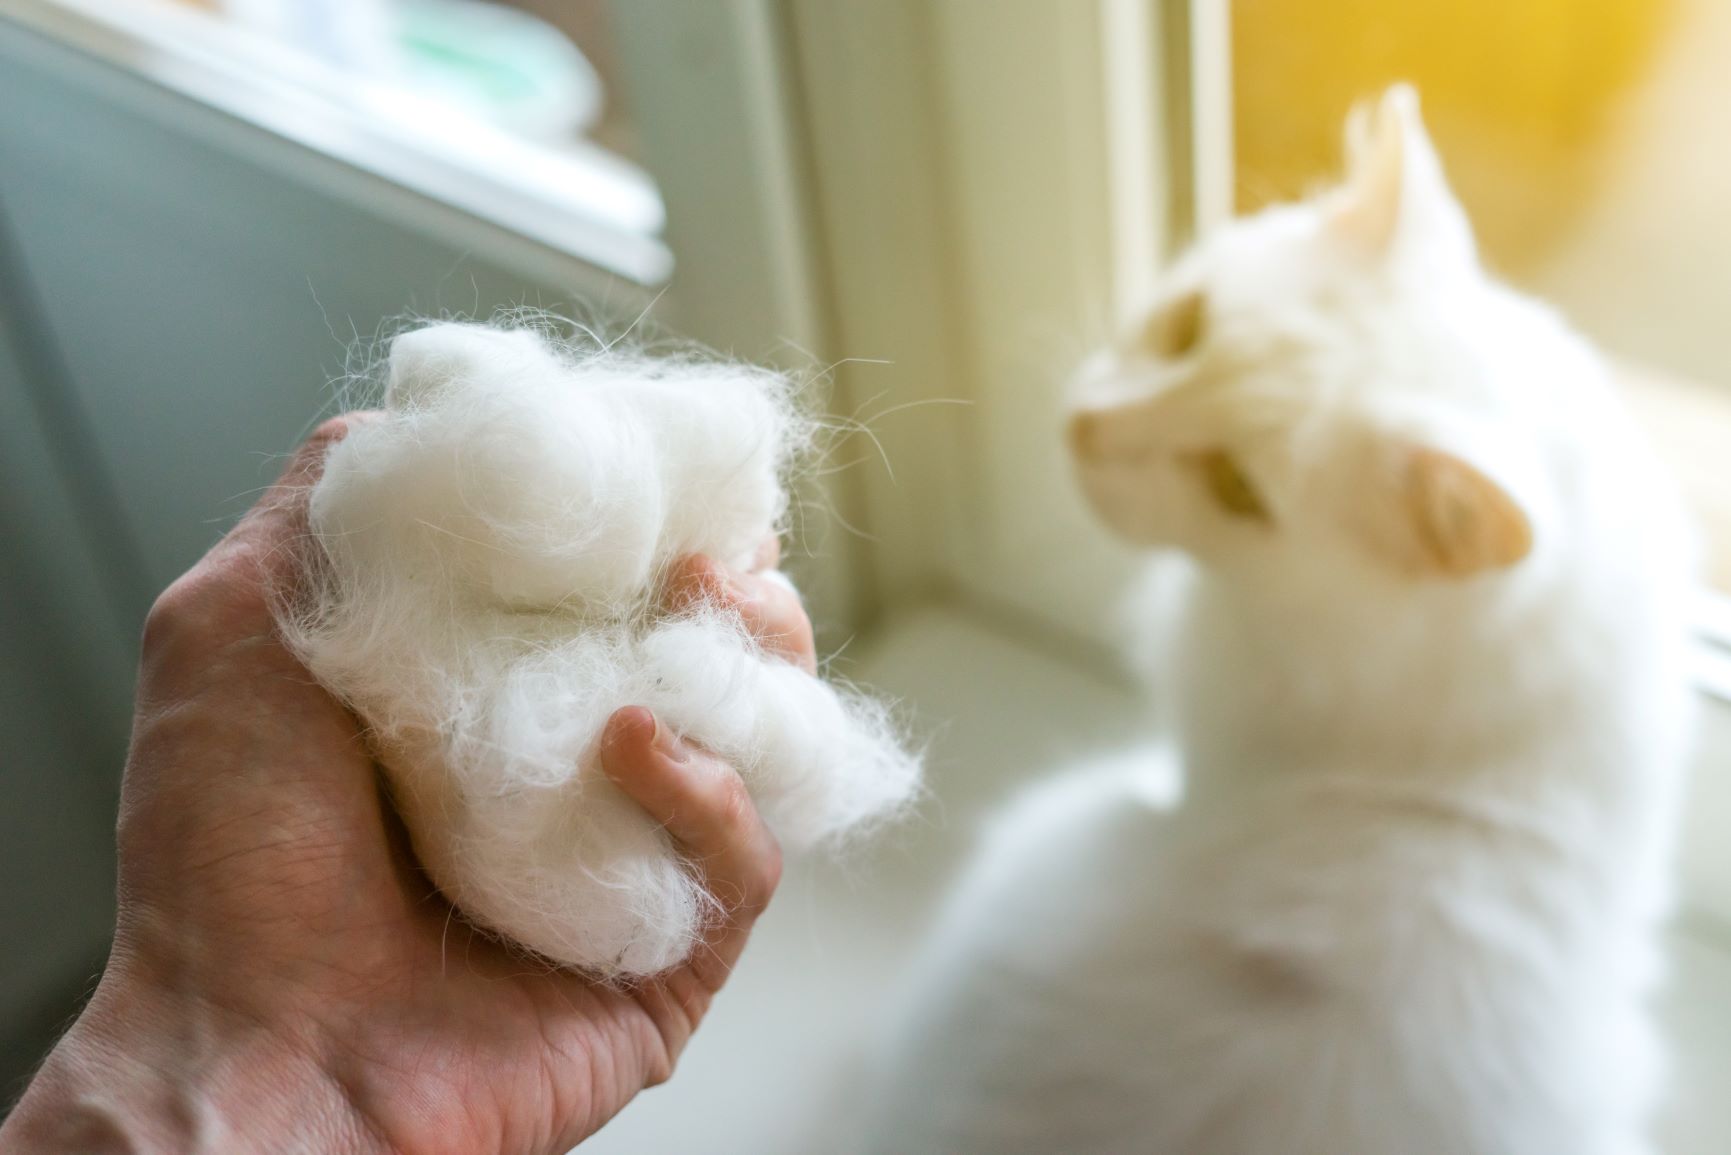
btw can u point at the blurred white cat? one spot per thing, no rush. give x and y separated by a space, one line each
1425 671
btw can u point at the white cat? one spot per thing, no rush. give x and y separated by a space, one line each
1427 682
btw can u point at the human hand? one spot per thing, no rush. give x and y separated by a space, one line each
283 976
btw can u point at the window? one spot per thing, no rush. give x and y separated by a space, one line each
486 110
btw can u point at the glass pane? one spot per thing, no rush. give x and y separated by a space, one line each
541 69
490 108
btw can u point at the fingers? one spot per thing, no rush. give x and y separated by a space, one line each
701 802
279 519
705 806
767 605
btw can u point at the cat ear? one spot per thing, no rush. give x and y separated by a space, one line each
1464 522
1396 200
1440 512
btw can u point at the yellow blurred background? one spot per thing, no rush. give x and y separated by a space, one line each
1590 141
1520 95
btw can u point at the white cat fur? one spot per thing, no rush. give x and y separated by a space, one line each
483 593
1432 754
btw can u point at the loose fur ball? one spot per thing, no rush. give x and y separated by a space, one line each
482 588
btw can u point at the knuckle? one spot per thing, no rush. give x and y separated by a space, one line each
738 811
789 629
659 1071
788 608
768 876
313 450
330 431
200 606
179 609
697 567
693 579
309 458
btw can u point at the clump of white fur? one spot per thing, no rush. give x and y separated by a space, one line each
1425 670
483 592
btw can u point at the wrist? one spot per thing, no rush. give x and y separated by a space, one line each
145 1070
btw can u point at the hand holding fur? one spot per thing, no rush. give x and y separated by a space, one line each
484 592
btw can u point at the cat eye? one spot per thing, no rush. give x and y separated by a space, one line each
1175 328
1228 486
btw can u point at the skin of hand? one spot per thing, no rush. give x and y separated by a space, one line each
284 979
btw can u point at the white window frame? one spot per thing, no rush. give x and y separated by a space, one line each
821 163
577 215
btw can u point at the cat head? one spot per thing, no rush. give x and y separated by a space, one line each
1335 382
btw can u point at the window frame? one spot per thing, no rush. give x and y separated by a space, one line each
578 215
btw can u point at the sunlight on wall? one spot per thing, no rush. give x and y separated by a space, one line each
1519 94
1587 138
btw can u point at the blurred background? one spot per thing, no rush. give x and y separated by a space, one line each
211 213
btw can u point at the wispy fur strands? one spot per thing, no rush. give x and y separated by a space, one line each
481 587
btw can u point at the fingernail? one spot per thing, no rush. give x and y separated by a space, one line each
667 743
628 722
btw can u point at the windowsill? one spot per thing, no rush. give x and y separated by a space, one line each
777 1068
1690 424
579 200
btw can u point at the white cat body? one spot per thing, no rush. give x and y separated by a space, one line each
1427 680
